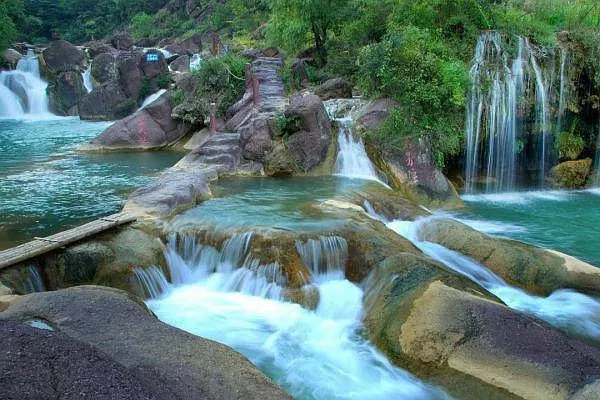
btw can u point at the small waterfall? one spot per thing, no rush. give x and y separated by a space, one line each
87 78
352 160
565 309
152 98
230 269
326 256
562 90
195 62
22 91
496 140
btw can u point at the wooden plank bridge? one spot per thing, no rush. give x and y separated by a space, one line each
40 245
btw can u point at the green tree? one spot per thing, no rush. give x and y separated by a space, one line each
294 22
11 14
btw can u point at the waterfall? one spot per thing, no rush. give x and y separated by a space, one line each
565 309
87 78
152 98
352 160
326 256
562 90
195 62
494 125
151 281
22 91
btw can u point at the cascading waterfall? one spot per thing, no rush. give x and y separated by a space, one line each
22 91
87 78
195 62
494 124
562 98
312 354
152 98
565 309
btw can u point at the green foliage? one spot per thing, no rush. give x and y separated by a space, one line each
145 89
163 81
570 145
233 16
286 126
11 13
158 26
221 81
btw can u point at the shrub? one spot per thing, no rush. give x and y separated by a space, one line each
570 145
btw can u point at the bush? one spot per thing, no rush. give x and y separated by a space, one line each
570 145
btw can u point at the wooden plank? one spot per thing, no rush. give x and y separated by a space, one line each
39 246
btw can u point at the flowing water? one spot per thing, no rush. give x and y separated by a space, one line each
500 153
22 91
152 98
565 309
222 295
47 186
87 79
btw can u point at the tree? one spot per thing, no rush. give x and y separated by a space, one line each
11 13
294 22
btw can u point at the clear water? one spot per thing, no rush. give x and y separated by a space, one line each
559 220
287 203
47 186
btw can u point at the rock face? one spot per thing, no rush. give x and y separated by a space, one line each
104 68
62 56
439 326
149 128
181 64
531 268
65 92
12 57
105 103
107 334
412 171
570 174
336 88
121 41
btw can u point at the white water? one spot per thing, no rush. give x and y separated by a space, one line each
562 90
87 78
22 91
565 309
312 354
496 140
152 98
195 62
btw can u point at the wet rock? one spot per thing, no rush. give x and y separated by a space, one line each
280 162
62 56
570 174
104 68
12 57
151 127
256 139
441 327
65 92
534 269
181 64
105 103
336 88
166 362
375 113
98 47
130 74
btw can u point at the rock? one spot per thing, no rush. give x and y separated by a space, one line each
166 362
181 64
130 74
6 300
256 139
375 113
98 47
12 57
154 69
309 146
280 162
62 56
145 42
149 128
220 152
65 92
4 290
193 44
105 103
104 68
570 174
175 49
174 191
336 88
440 326
82 262
121 41
534 269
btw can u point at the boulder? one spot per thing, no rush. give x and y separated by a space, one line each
308 149
279 162
97 47
443 328
132 348
570 174
375 113
175 49
105 103
299 76
256 139
65 92
181 64
154 68
193 44
104 68
310 111
62 56
336 88
176 190
12 57
534 269
130 74
121 41
148 128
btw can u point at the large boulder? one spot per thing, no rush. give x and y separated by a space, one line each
310 144
570 174
105 103
11 57
104 68
121 41
442 327
336 88
373 115
148 128
534 269
65 92
130 74
154 67
62 56
108 328
181 64
256 139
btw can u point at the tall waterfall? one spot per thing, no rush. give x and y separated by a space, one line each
498 143
22 91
